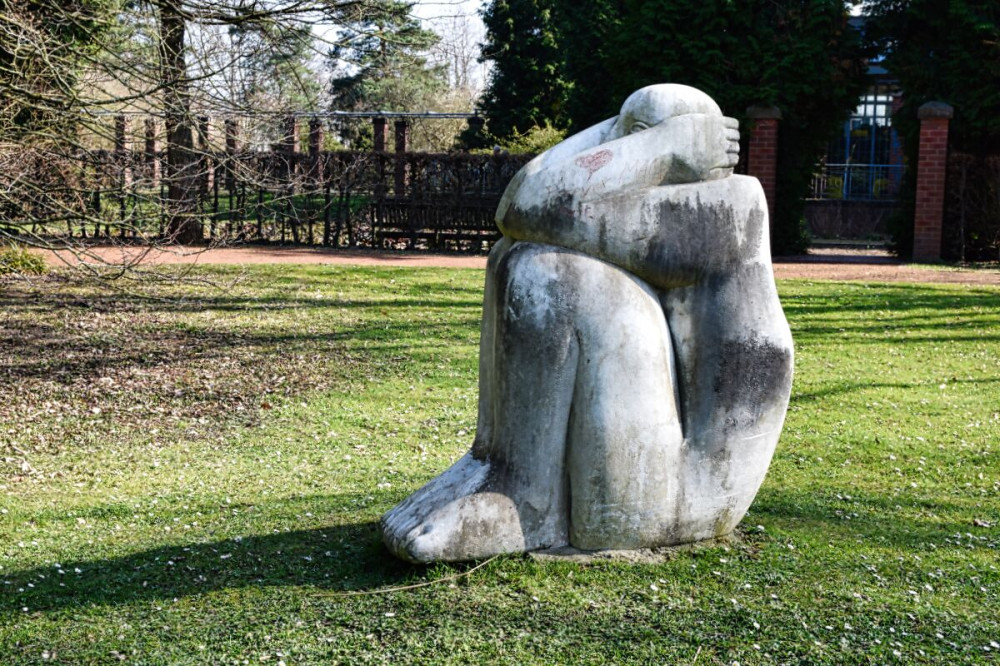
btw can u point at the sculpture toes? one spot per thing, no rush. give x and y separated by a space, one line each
468 528
454 518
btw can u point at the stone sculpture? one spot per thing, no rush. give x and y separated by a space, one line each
635 364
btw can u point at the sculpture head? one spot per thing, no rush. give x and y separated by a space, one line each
652 105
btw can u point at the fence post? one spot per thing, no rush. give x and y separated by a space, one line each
290 152
315 150
232 147
932 163
381 129
208 168
762 151
151 152
122 126
122 162
402 144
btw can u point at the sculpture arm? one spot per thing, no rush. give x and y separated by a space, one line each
670 236
595 199
681 149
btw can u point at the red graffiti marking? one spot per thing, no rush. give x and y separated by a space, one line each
594 162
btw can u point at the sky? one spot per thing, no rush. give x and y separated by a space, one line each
432 9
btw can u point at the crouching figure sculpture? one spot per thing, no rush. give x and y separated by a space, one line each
635 364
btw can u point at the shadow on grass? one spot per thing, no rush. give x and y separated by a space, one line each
67 344
876 519
44 353
898 298
351 557
338 558
899 387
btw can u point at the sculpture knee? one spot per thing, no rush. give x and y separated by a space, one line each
534 290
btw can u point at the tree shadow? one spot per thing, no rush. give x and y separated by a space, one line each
877 519
338 558
895 297
852 387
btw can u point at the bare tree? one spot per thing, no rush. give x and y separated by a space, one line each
67 67
97 95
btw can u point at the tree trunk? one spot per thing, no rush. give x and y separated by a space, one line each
184 221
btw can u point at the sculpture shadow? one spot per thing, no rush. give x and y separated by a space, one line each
338 558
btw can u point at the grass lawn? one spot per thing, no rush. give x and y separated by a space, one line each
199 479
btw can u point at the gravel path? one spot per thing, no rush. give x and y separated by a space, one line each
824 264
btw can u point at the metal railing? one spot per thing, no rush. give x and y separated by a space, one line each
857 182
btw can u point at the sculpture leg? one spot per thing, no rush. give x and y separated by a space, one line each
625 439
574 350
734 355
508 493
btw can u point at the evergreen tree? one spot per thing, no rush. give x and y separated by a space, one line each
588 34
46 46
947 52
526 87
802 57
573 64
277 72
381 64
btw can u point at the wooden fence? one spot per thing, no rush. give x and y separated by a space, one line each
325 198
971 226
330 198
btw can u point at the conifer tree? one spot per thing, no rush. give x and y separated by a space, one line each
381 64
527 87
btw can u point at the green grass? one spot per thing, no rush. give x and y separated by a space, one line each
199 479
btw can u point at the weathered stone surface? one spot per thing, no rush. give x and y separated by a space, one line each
635 364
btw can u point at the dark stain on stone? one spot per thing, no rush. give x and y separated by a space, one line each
752 372
694 239
558 215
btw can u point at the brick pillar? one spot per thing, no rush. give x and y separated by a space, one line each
290 145
402 144
151 152
290 135
762 152
121 132
381 128
476 125
932 162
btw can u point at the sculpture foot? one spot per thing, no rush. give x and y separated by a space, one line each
457 516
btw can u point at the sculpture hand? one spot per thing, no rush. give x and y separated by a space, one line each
731 145
701 147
